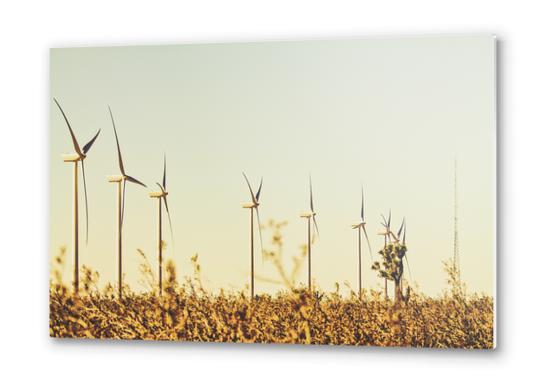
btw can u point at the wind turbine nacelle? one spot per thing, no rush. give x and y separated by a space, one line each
250 205
356 225
306 215
159 194
115 178
71 157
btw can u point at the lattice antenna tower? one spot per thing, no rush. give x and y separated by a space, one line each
456 236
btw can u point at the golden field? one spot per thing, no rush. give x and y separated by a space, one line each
286 318
189 313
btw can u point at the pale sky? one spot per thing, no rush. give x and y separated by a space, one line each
388 113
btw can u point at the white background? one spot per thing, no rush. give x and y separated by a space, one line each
28 29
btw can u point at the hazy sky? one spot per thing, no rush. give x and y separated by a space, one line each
388 113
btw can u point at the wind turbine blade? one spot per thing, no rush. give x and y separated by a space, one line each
400 229
259 190
408 267
86 200
132 179
315 226
88 145
406 258
312 202
389 219
385 223
164 176
74 140
167 211
259 229
250 188
169 220
121 165
168 214
368 243
123 201
362 206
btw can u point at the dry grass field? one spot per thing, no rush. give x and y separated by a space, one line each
189 313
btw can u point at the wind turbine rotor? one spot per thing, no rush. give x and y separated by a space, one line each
125 177
254 200
82 155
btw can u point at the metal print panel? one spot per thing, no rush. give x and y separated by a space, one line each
335 192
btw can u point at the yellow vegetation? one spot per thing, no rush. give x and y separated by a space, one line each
189 313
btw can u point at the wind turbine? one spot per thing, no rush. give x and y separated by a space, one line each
361 226
394 238
161 195
310 216
79 156
121 197
386 233
253 205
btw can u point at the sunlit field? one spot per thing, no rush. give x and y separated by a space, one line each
187 312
